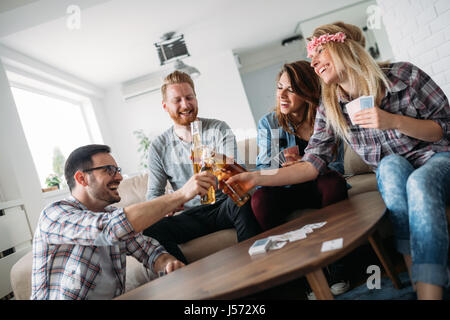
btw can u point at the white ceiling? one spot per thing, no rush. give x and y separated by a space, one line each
116 39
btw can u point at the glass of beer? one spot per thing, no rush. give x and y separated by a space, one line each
225 168
202 160
196 155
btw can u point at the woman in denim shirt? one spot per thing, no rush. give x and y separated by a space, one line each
292 124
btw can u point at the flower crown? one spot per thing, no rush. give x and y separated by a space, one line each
338 37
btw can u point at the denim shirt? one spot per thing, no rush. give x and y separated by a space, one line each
271 136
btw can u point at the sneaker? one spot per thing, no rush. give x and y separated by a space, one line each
336 289
340 287
311 296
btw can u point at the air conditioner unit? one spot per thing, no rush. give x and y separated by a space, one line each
142 85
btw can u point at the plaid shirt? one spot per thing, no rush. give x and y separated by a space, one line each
65 259
411 93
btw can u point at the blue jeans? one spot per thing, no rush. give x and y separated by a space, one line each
416 201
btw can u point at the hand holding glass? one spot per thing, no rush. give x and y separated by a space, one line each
202 160
225 168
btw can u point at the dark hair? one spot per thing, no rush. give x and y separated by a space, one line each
81 159
305 83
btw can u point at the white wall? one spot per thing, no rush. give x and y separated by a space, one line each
18 176
260 86
419 32
260 69
358 15
143 112
17 170
220 95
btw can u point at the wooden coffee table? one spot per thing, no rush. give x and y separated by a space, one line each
232 273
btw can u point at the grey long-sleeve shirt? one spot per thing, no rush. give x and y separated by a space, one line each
169 157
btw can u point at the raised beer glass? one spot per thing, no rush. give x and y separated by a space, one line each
207 164
225 168
202 159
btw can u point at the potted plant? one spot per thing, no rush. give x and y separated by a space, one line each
53 182
144 145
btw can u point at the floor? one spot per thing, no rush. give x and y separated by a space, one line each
356 264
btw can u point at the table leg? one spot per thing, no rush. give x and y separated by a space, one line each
319 285
375 242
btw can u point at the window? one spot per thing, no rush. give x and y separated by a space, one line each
53 127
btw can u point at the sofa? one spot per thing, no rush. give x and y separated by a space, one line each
133 190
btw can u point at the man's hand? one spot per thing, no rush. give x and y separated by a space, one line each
180 208
167 263
198 184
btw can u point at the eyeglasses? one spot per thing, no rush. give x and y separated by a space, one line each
112 170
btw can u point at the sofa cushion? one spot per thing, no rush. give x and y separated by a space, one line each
362 183
204 246
136 274
132 190
353 163
20 277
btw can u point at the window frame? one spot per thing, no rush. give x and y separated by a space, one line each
56 85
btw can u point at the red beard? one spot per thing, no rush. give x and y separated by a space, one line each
184 121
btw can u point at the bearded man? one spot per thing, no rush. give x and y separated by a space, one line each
170 160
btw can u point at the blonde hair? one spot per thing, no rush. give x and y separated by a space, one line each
174 78
305 84
353 61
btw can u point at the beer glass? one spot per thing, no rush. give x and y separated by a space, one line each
225 168
202 160
196 155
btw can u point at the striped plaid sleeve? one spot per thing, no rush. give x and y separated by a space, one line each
319 151
429 100
65 223
145 250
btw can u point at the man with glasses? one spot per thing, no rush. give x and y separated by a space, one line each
80 244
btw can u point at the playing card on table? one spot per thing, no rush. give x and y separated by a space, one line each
279 238
306 229
364 102
275 245
332 245
316 225
296 235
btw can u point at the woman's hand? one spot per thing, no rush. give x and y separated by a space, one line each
246 179
291 158
375 118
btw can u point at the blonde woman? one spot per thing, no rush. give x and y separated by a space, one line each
405 138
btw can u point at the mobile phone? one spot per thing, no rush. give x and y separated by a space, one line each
260 246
